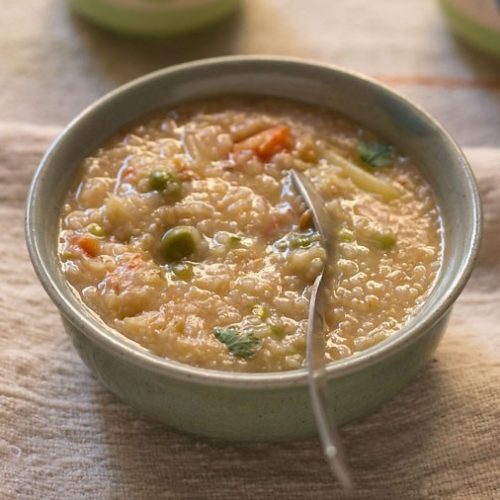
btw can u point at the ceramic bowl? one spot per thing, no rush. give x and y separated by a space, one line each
154 17
478 23
258 406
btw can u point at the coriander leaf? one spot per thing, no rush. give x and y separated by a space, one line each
242 344
376 154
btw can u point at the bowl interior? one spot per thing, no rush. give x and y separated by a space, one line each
371 105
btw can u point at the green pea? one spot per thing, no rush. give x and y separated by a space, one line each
96 230
183 271
387 241
166 182
179 242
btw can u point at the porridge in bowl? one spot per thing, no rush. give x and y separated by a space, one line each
185 233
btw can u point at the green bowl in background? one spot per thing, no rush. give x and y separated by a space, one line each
477 22
154 17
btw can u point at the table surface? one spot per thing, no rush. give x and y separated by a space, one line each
52 64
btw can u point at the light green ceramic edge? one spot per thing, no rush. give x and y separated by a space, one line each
481 37
156 22
252 414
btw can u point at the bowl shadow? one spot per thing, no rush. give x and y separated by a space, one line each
256 29
382 448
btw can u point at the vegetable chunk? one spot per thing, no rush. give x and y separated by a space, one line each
376 154
365 180
267 143
165 182
242 344
90 246
179 242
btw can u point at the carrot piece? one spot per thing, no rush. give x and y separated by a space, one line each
267 143
89 245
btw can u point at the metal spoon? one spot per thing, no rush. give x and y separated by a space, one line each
316 364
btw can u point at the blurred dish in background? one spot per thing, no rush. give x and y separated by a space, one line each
476 21
154 17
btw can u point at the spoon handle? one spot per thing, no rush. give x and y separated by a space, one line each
316 363
329 436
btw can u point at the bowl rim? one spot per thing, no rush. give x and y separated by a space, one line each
79 315
172 5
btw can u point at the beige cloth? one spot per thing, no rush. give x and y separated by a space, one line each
63 436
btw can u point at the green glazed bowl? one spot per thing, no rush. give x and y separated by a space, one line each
258 406
154 17
478 22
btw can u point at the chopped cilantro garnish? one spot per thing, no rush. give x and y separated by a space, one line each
376 154
243 344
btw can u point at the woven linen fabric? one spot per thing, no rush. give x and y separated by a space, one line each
63 436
